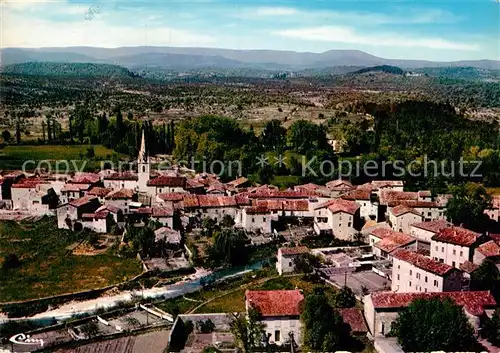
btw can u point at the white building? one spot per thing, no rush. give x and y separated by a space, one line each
412 272
401 217
121 198
386 241
143 167
280 312
30 194
489 250
454 245
166 184
99 222
69 215
286 258
363 197
121 180
254 218
340 216
424 231
382 308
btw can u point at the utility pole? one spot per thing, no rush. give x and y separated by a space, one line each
345 279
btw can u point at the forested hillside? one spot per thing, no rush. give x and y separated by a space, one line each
68 69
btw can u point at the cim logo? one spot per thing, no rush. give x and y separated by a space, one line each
21 338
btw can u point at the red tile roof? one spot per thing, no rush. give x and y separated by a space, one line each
163 211
170 181
433 226
419 204
120 194
192 184
264 194
387 183
82 201
468 267
86 178
172 196
122 176
294 251
345 206
339 184
456 235
358 194
423 262
275 302
354 318
28 183
473 302
99 191
401 210
144 210
393 198
394 241
257 210
424 193
489 249
96 215
75 187
216 201
383 232
238 182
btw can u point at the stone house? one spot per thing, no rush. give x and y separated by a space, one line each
413 272
280 313
454 245
382 308
286 258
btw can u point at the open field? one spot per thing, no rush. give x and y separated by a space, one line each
235 300
13 157
53 152
48 268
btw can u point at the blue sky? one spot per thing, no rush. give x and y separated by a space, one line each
432 30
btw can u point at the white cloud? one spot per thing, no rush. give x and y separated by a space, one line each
33 33
337 34
21 4
417 16
275 11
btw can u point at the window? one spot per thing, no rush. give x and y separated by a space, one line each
223 211
436 248
340 225
290 264
453 263
144 169
264 219
277 336
253 220
418 275
442 249
435 283
411 272
349 224
425 290
399 267
409 284
382 328
340 218
454 252
461 253
428 214
425 279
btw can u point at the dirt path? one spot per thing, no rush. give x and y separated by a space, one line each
243 286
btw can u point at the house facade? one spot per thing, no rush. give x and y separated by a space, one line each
280 313
454 245
381 309
412 272
286 258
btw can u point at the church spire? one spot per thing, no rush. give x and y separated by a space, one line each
142 151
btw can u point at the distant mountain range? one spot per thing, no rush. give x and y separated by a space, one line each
192 58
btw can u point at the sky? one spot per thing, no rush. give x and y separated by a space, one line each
442 30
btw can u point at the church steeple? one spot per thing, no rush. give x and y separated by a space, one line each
142 157
143 166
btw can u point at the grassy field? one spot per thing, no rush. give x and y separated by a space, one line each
230 297
13 157
235 301
48 268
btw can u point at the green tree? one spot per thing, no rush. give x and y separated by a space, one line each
323 328
305 263
491 328
227 221
467 206
230 247
434 324
305 137
248 331
345 298
6 136
273 136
